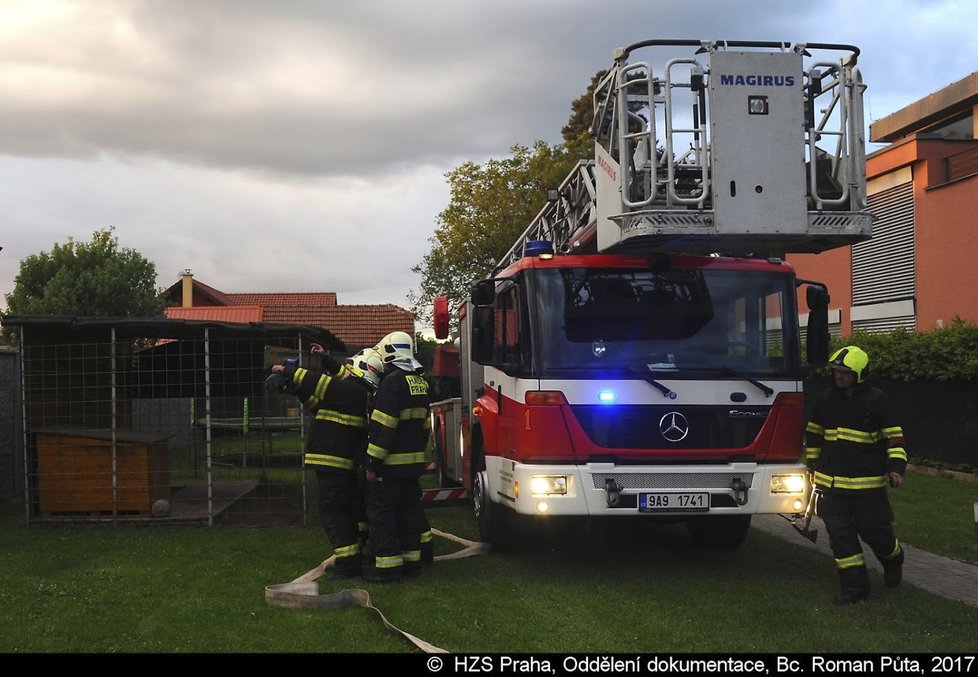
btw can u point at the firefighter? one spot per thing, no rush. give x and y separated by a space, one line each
855 447
339 399
399 437
375 365
427 538
367 361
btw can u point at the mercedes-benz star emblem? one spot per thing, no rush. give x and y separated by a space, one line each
674 427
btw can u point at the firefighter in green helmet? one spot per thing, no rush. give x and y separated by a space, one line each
855 448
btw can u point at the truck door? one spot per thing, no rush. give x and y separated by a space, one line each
507 357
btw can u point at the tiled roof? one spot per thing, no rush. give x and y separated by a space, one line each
325 298
358 326
364 325
242 314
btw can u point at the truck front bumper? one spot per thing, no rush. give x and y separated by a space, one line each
598 489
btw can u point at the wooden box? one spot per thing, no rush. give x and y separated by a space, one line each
75 471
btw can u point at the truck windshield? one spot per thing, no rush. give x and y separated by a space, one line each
673 323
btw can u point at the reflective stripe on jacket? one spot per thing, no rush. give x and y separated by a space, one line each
399 439
338 433
852 442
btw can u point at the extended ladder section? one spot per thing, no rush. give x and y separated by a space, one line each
567 222
749 148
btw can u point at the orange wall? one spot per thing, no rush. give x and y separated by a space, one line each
831 268
946 232
947 253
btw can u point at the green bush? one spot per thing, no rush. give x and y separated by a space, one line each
946 354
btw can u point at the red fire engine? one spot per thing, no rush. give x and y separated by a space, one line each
639 350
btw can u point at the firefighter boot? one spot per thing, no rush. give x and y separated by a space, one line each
333 571
854 582
374 575
893 570
344 567
427 552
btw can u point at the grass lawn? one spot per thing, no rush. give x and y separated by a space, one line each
936 513
611 588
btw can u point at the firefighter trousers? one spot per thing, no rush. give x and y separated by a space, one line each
393 506
337 510
427 537
851 516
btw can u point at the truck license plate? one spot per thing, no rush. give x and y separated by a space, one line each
674 502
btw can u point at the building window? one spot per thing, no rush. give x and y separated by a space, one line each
883 268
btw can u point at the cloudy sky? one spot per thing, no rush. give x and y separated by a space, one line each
302 145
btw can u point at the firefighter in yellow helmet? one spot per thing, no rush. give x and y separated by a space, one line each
855 448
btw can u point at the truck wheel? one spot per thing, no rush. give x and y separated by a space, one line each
718 532
495 523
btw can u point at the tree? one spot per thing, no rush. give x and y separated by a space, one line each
424 351
96 279
489 207
578 127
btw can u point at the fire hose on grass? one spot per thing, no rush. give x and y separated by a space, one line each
303 592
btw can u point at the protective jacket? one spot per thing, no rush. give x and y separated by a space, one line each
339 401
400 426
852 442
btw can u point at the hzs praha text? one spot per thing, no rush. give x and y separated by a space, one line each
763 665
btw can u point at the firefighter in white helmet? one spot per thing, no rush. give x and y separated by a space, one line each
368 363
398 345
398 446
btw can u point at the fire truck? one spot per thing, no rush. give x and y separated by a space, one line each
641 349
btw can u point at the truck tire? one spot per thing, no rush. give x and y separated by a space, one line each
496 524
718 532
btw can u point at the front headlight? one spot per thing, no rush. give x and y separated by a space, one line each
548 485
793 483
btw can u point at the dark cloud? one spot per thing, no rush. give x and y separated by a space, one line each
213 133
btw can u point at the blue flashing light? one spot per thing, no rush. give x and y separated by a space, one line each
606 396
537 247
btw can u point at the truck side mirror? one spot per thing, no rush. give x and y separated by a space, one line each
483 292
483 322
817 297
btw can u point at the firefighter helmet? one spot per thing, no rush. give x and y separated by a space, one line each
396 345
851 358
369 364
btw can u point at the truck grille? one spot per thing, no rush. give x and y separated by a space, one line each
666 480
637 426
